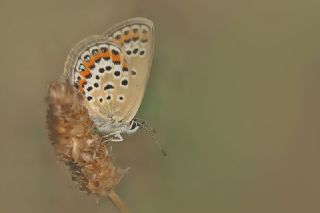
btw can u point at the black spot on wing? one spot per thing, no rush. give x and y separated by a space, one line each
94 51
136 38
124 82
135 51
142 52
104 49
117 73
108 68
115 52
127 40
88 76
108 86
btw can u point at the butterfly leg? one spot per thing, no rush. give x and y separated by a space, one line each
116 137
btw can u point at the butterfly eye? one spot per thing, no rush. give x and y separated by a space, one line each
81 67
87 58
94 52
133 125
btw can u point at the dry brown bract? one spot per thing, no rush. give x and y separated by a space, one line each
77 144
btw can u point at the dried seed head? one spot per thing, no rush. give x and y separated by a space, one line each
77 144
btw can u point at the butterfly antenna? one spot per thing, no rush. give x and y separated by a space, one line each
145 125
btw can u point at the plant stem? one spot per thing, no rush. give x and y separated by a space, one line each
117 202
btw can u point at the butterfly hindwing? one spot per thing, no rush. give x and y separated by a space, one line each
96 69
112 70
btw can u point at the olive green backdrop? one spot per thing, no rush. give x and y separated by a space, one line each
233 95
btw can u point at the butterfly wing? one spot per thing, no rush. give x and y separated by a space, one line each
112 70
136 39
99 71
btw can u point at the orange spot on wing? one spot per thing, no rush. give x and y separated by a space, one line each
105 54
135 38
87 64
85 73
125 63
125 67
81 84
115 57
97 56
126 37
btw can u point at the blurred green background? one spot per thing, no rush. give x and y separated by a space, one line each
233 94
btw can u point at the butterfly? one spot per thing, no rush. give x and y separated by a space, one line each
111 72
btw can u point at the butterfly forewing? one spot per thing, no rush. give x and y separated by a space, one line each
136 38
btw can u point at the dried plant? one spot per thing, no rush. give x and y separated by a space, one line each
79 146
